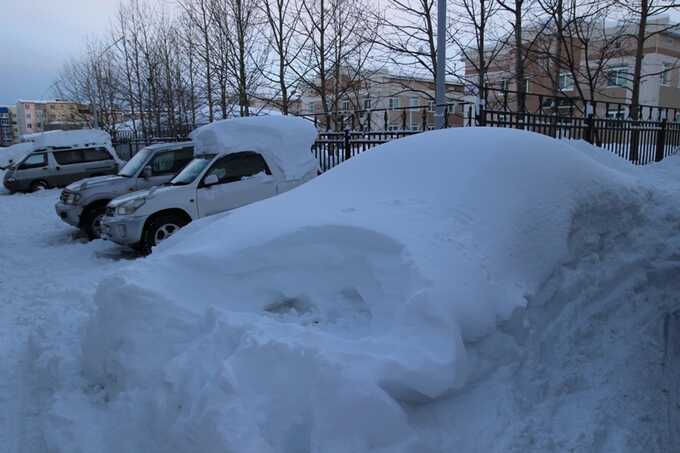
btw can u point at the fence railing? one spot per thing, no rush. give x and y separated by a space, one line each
343 135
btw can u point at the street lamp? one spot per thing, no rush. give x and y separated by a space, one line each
440 85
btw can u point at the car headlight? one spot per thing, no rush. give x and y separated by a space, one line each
130 207
70 197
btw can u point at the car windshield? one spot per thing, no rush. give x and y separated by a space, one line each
135 164
191 171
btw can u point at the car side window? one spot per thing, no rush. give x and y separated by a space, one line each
34 161
235 167
97 154
69 157
164 163
182 157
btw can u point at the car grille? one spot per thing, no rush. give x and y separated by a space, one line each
110 211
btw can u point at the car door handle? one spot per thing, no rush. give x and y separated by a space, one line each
58 168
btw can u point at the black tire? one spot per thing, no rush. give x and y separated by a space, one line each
91 221
158 229
39 185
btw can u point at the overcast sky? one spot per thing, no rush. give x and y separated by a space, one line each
38 36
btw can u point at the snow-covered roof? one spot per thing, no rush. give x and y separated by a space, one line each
81 137
284 140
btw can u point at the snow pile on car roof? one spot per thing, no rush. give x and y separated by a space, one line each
313 321
80 137
285 140
14 153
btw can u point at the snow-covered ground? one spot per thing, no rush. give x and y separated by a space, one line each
510 293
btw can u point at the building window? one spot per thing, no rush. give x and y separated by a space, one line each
367 104
394 103
29 126
503 85
666 74
432 106
414 102
344 105
527 85
617 77
566 81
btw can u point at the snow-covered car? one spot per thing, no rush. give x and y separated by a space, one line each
82 204
62 157
237 162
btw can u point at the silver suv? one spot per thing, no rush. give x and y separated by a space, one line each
82 204
59 166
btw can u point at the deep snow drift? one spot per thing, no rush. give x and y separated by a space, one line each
468 290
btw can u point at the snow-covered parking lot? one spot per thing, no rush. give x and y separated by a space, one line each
463 290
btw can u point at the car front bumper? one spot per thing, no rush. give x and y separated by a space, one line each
69 213
124 230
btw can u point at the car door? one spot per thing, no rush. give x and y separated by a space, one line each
33 168
243 178
165 165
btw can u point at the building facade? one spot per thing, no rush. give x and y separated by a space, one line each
6 126
41 116
609 72
386 101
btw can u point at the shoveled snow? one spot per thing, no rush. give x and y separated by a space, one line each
285 140
473 290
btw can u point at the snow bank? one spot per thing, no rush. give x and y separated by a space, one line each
285 140
14 153
309 321
81 137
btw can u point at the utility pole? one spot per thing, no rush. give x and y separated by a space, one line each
440 93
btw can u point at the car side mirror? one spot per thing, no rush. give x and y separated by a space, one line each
147 172
210 180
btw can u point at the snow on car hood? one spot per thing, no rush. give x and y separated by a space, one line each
93 182
13 154
295 323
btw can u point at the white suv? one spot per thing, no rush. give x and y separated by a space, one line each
237 162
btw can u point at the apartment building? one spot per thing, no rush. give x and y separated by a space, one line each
389 101
6 129
610 69
40 116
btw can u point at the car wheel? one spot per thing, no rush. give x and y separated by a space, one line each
92 221
160 229
39 185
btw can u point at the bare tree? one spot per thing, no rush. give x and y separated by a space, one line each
472 36
283 18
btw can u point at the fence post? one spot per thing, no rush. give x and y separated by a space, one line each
588 136
424 119
348 152
481 116
385 118
446 116
661 141
403 120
